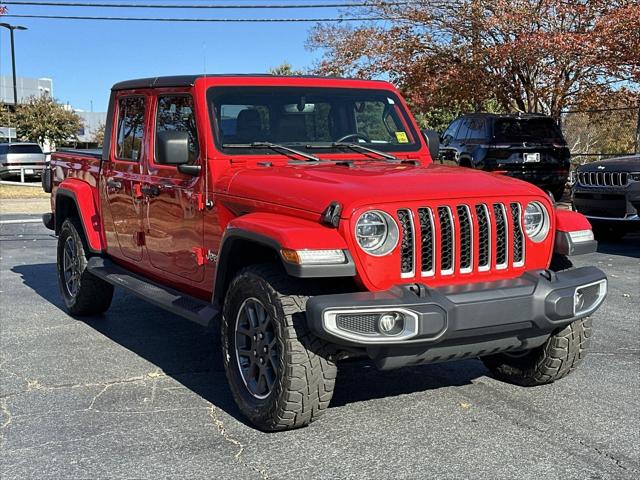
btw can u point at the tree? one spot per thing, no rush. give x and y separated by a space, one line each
6 115
523 55
285 70
97 135
42 118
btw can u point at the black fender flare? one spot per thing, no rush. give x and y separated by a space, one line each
234 234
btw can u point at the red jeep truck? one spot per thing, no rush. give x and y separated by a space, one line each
304 218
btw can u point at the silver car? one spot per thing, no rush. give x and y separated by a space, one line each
15 157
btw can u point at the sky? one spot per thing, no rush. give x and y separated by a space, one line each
84 58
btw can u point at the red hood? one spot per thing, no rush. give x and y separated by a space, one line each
312 187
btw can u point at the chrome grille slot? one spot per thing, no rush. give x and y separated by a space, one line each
427 250
501 235
466 238
484 238
447 240
604 179
518 235
407 243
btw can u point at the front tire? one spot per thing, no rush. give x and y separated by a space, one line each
82 292
553 360
558 356
280 374
558 193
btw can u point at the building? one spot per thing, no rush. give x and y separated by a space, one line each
27 87
35 87
92 121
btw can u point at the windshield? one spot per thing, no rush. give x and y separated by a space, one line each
526 130
309 116
24 148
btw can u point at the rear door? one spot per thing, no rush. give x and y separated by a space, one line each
122 177
174 215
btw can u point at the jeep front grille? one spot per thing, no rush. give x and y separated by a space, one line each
604 179
407 247
426 240
463 238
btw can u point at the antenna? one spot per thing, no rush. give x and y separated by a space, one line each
207 201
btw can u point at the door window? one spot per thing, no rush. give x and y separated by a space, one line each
463 131
476 129
175 113
450 133
130 128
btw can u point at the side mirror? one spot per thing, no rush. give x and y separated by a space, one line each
433 142
172 148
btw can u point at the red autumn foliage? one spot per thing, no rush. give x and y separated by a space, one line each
523 55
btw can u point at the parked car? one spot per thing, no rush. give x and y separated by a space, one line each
17 156
304 220
608 194
529 147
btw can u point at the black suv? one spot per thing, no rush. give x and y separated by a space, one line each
525 146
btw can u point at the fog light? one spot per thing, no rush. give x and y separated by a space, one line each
391 323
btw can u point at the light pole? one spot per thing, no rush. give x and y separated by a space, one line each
11 28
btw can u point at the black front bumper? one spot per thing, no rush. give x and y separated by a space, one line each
459 321
608 204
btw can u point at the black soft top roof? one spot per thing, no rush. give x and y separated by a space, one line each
189 80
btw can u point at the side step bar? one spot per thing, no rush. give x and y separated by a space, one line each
191 308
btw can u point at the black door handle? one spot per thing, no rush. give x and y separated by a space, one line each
150 190
114 184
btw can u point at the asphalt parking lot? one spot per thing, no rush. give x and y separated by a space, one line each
140 393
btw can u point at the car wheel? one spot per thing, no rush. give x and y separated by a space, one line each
553 360
83 292
558 356
558 193
280 374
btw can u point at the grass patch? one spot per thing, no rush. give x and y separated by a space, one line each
19 191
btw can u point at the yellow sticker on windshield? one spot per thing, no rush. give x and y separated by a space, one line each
402 137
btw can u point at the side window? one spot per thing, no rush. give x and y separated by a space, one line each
450 132
130 128
477 129
175 113
463 131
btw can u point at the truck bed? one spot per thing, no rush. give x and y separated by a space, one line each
90 152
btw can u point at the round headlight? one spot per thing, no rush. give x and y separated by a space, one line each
376 232
536 221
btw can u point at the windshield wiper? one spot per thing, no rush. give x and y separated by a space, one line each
355 146
272 146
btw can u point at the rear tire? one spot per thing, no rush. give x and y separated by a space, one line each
285 380
82 292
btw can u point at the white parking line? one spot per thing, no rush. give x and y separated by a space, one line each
21 220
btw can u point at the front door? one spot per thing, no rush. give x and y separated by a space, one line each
121 178
174 217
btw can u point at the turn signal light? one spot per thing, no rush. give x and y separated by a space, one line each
313 257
